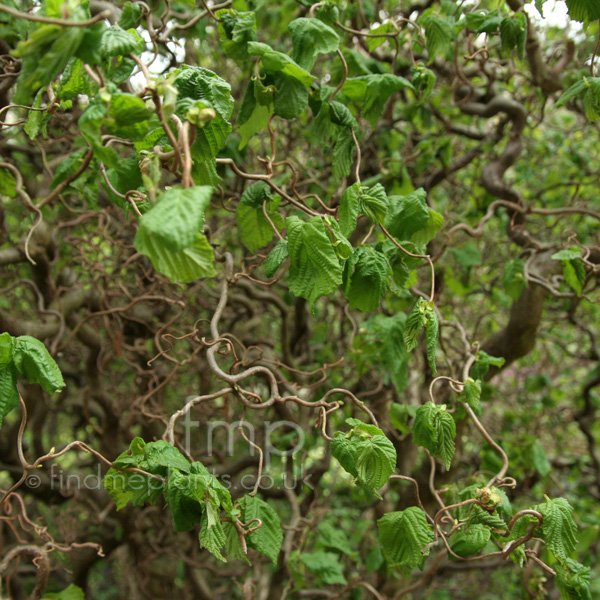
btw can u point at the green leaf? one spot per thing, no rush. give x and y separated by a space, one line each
583 10
343 248
70 593
340 114
9 394
567 254
368 283
574 274
36 365
513 33
326 565
45 55
408 215
371 92
254 229
438 34
470 540
404 535
198 83
75 81
233 546
468 256
116 41
274 62
130 15
291 96
315 269
34 118
374 203
376 42
423 80
236 29
513 278
267 539
331 536
253 117
6 350
310 38
349 208
182 495
483 362
176 219
573 580
342 155
577 90
375 461
558 527
162 454
471 394
432 327
212 537
434 429
274 259
415 322
8 184
345 452
539 460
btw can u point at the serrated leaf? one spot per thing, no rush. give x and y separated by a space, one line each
407 215
573 580
432 334
9 394
344 450
340 114
483 362
254 228
471 394
290 97
349 209
374 42
267 539
182 496
539 460
35 364
275 62
577 90
477 514
116 41
315 269
35 117
404 535
130 15
274 259
236 29
583 10
438 34
343 248
75 80
415 322
368 282
8 184
470 540
176 219
325 565
513 33
374 203
311 37
233 546
212 537
558 527
342 155
162 454
375 461
6 350
434 429
423 80
513 278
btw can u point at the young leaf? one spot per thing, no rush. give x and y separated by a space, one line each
375 461
349 208
470 540
558 527
404 535
212 537
483 363
471 394
182 496
368 282
118 42
345 451
325 565
513 33
236 29
162 454
34 118
254 228
583 10
407 215
72 592
315 269
435 429
9 394
274 259
432 334
130 15
573 580
310 38
36 365
414 323
267 539
438 34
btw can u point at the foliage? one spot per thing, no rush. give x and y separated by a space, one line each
270 266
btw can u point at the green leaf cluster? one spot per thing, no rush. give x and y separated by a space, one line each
434 429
